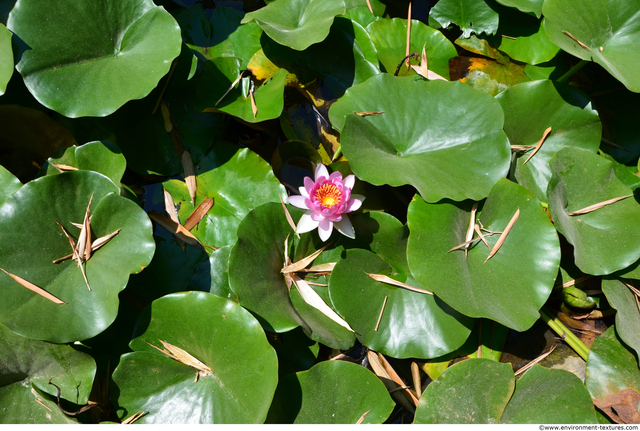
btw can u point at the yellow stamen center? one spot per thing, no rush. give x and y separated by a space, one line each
328 195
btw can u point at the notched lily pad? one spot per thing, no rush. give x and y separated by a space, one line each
28 222
197 358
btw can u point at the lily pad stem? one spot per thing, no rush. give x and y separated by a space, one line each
574 69
559 328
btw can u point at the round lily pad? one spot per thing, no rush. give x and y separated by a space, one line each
331 392
255 265
27 367
78 53
9 184
611 367
472 391
601 30
627 316
411 324
297 23
472 16
442 151
607 239
524 267
28 222
532 402
238 368
238 180
103 157
390 39
569 113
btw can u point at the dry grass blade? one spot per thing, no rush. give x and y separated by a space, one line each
71 243
503 235
312 298
367 412
42 404
133 418
408 50
576 40
535 361
63 168
384 376
544 136
366 114
83 238
302 263
481 235
384 304
254 108
633 289
176 229
323 267
197 215
189 175
472 222
289 218
417 382
34 288
182 356
103 240
521 147
388 280
599 205
423 68
370 10
170 206
396 378
233 85
576 281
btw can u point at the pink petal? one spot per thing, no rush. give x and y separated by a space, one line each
298 201
303 192
359 197
317 216
321 171
324 229
335 176
345 227
350 181
308 185
306 223
353 205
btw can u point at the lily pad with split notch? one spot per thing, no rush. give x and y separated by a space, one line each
218 333
525 266
28 222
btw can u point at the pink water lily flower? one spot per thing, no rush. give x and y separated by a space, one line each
327 200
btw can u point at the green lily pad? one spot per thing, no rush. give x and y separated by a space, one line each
9 184
525 267
216 79
527 6
238 180
6 59
471 391
472 16
322 328
607 30
605 240
362 15
255 263
628 316
77 53
523 38
532 402
390 39
412 324
611 367
28 222
349 48
103 157
217 332
297 24
331 392
566 110
439 149
27 367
